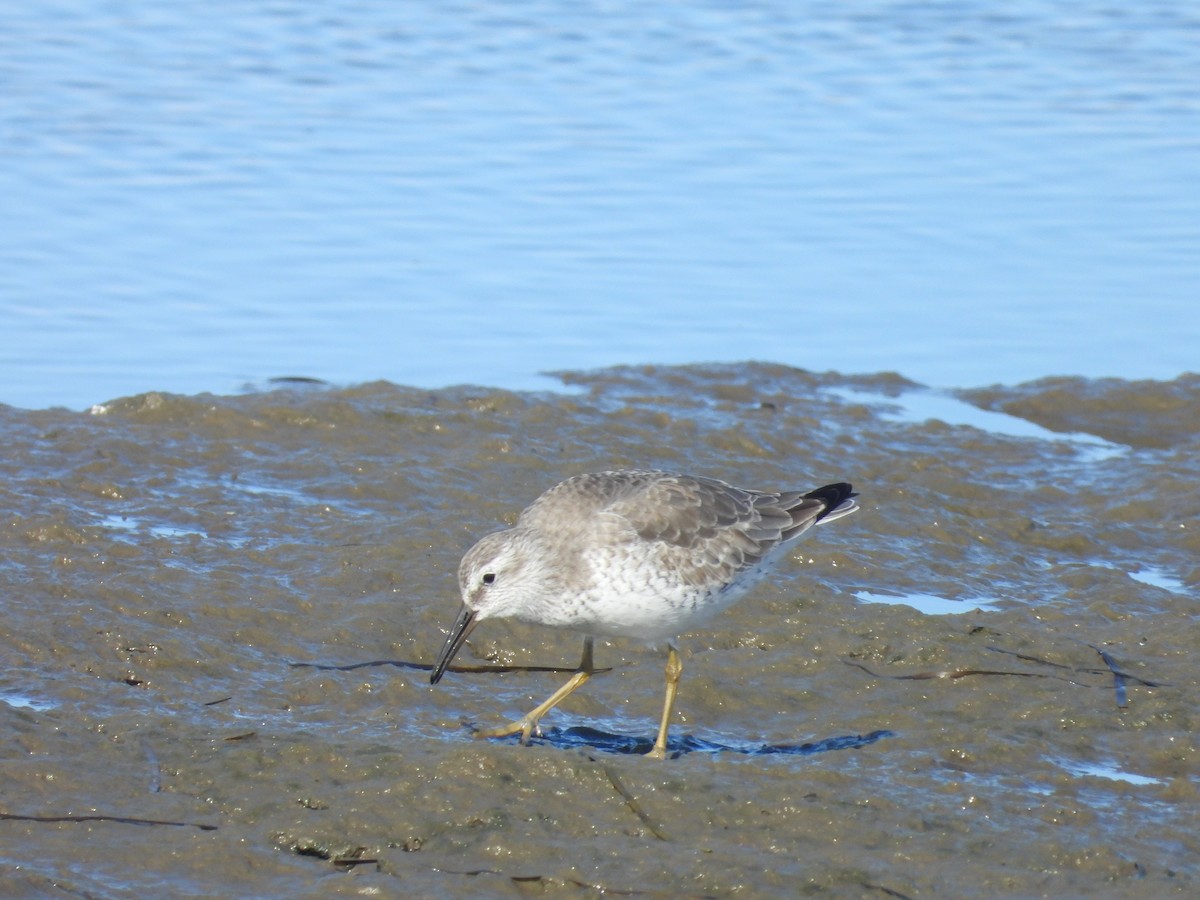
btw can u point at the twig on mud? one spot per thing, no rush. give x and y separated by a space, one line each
1120 677
100 817
426 667
947 674
632 803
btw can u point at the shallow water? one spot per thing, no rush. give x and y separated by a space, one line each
219 613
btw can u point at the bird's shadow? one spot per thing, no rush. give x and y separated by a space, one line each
584 736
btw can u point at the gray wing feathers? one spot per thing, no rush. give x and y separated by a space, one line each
691 512
718 526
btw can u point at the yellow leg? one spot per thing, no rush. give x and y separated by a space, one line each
528 723
674 671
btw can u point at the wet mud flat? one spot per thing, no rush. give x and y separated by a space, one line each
219 615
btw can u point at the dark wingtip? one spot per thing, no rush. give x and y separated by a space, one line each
832 495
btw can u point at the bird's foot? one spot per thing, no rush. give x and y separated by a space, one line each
526 727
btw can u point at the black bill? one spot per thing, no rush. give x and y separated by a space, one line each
458 634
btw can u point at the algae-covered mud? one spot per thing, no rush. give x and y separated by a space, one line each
219 615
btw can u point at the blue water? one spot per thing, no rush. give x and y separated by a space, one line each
200 196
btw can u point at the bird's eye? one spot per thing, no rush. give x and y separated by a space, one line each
489 577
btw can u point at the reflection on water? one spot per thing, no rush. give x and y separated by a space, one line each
920 405
1160 578
928 604
25 701
1106 770
135 526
